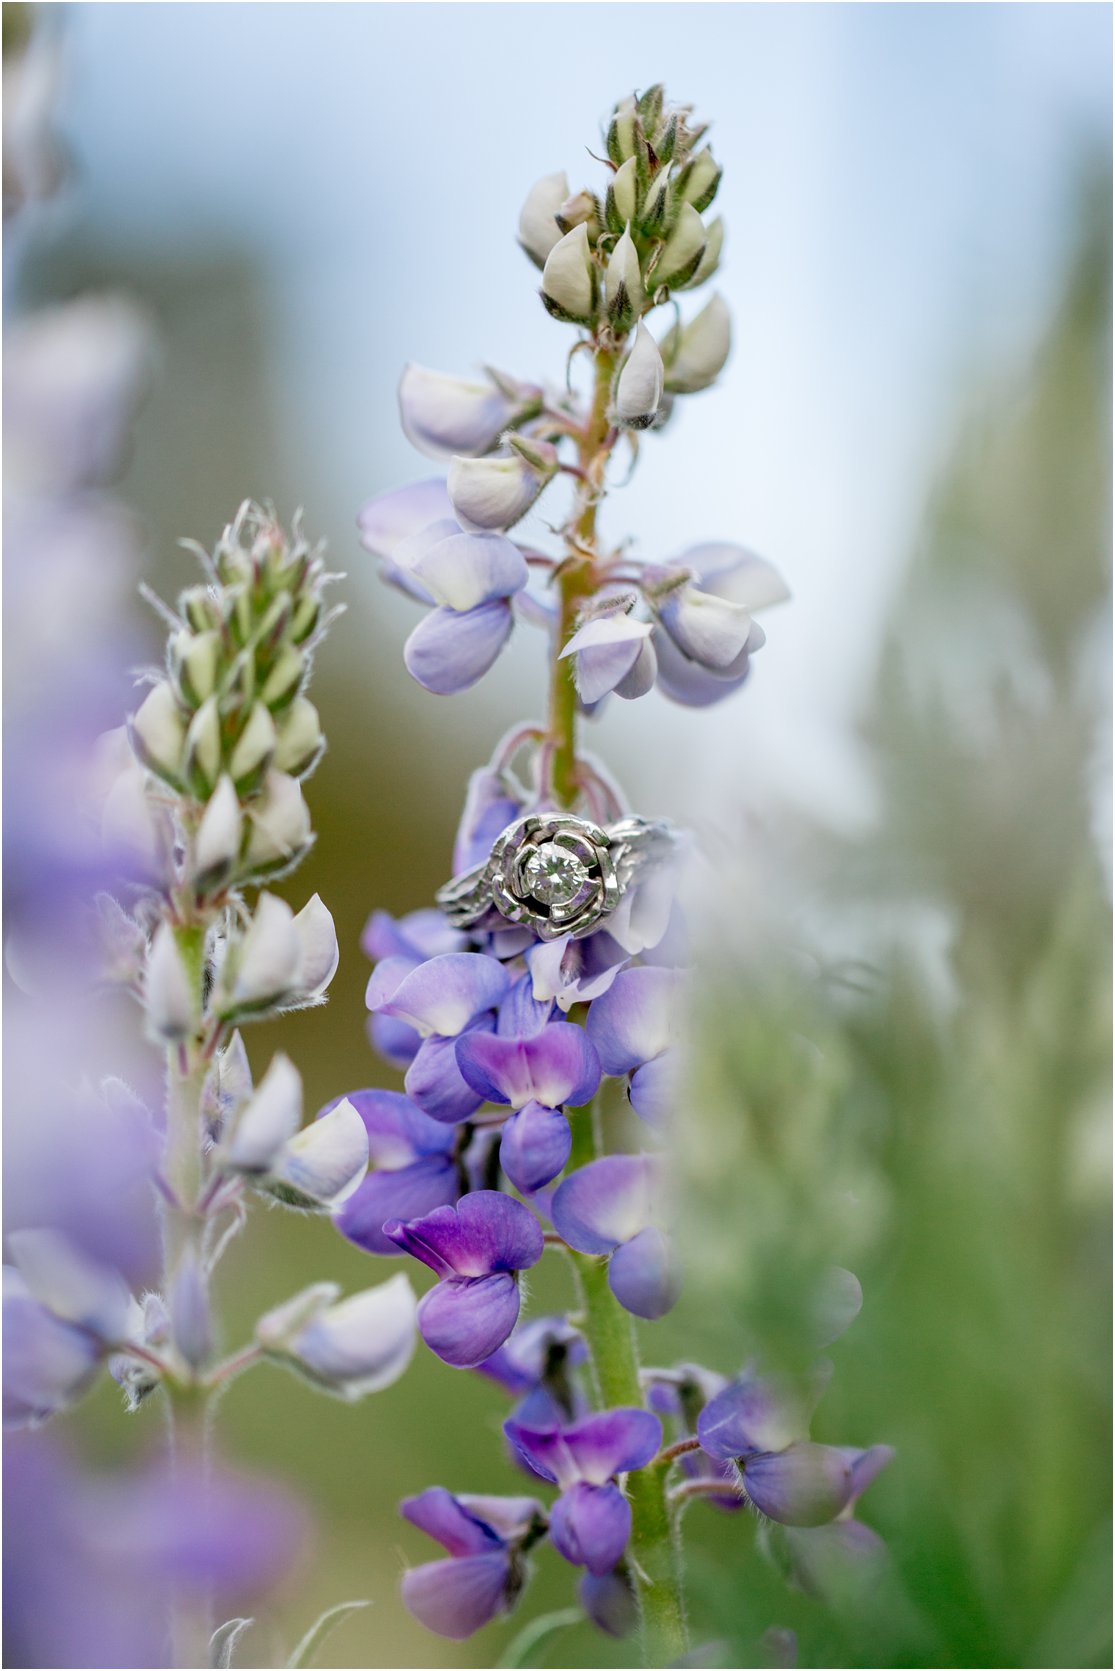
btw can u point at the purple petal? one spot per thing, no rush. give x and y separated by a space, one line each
867 1466
449 652
456 1598
691 684
398 1131
386 978
465 1319
836 1304
385 1197
521 1015
47 1362
445 994
606 649
612 1442
837 1561
731 571
635 1020
752 1414
390 518
575 971
484 1233
434 1080
590 1526
609 1601
804 1485
420 934
393 1040
489 808
462 571
653 1089
444 1517
607 1202
557 1066
535 1146
643 1275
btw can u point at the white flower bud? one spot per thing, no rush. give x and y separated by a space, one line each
122 942
538 230
624 191
578 209
443 416
493 493
203 747
252 753
190 1321
568 283
299 740
683 248
195 658
264 966
710 261
622 131
216 846
640 383
284 678
695 354
228 1085
169 997
623 282
324 1163
702 180
71 1285
279 829
267 1121
653 216
317 940
158 733
710 630
355 1347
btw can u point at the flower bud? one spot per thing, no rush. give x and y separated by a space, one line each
695 354
324 1163
299 741
623 284
493 493
568 280
355 1347
263 968
318 952
307 613
216 846
228 1085
710 261
168 992
158 733
282 682
203 748
701 180
621 132
269 1119
200 608
279 830
538 228
623 196
122 943
579 209
252 754
194 660
652 220
443 416
190 1322
683 249
640 383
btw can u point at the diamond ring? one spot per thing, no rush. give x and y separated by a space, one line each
555 874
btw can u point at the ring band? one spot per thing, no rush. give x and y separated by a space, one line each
555 873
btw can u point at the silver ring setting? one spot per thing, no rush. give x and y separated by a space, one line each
555 874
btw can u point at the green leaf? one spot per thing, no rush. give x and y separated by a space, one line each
320 1629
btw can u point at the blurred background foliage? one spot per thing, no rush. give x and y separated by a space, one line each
902 1054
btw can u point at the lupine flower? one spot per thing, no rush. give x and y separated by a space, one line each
284 961
538 227
703 648
640 385
443 416
614 651
413 1169
438 999
486 1538
609 1600
317 1167
613 1207
679 1395
468 578
419 935
535 1366
348 1347
490 495
476 1249
761 1425
633 1025
591 1520
695 354
556 1066
48 1363
838 1560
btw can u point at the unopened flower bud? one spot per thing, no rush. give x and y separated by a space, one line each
269 1119
324 1163
203 748
307 613
538 228
621 132
283 681
568 280
623 283
446 416
158 733
579 209
200 608
652 220
228 1085
355 1347
299 739
279 829
194 660
169 997
695 354
701 181
683 249
253 751
216 846
318 952
710 261
263 968
623 195
493 493
640 383
190 1321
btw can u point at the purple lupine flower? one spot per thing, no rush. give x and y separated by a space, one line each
609 1600
486 1538
838 1559
489 808
614 651
417 936
413 1169
535 1366
591 1520
48 1363
679 1395
613 1208
633 1026
553 1067
760 1425
476 1249
442 995
469 579
443 415
704 637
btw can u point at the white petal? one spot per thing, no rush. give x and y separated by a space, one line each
444 415
364 1343
217 843
268 1121
695 357
538 230
328 1159
639 389
168 993
317 939
270 954
567 275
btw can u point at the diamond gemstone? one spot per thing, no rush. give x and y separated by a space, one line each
553 874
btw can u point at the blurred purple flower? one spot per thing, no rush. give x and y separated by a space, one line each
613 1208
485 1538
